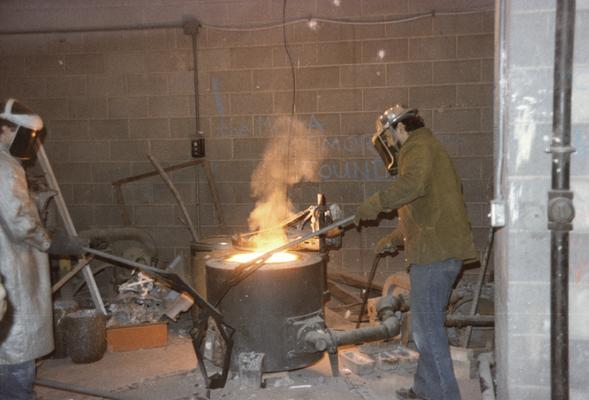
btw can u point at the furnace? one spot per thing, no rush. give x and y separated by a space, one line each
268 307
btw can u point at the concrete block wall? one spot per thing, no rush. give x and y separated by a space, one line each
110 96
522 257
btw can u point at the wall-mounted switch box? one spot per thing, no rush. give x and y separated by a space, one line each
197 149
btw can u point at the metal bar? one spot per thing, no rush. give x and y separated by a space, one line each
68 387
156 173
560 199
215 195
342 294
121 203
353 281
478 288
82 262
67 222
176 194
469 320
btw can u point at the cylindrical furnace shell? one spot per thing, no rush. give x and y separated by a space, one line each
266 308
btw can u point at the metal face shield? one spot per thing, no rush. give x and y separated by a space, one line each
24 143
384 143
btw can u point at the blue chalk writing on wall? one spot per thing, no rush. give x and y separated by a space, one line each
365 170
218 101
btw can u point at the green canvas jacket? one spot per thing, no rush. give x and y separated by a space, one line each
433 223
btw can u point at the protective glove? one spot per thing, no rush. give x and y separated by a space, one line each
65 245
389 243
369 209
3 304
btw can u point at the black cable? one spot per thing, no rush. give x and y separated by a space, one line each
293 104
377 258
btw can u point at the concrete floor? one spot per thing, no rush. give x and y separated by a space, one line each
170 373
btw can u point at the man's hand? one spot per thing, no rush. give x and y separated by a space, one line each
388 244
65 245
368 210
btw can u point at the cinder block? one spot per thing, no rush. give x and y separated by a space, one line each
109 85
318 77
66 86
84 63
49 108
488 70
89 151
251 57
163 195
170 150
125 63
457 71
214 59
379 99
302 55
88 107
150 84
350 8
108 129
306 101
457 24
128 150
416 28
358 125
58 151
475 46
380 7
14 65
433 96
109 171
182 83
452 121
138 193
339 100
339 53
469 168
128 107
474 95
154 215
23 87
149 128
232 126
435 48
251 148
324 32
231 81
385 50
272 79
169 61
335 192
250 369
183 127
83 216
107 215
169 106
358 363
399 359
252 10
72 172
44 65
214 104
251 103
407 74
92 194
363 76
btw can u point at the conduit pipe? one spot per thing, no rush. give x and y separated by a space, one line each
561 211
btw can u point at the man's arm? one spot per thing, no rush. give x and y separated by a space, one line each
18 215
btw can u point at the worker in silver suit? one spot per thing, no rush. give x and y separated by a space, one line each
26 330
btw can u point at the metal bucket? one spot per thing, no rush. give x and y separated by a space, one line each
200 252
85 336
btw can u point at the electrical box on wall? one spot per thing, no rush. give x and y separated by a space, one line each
197 148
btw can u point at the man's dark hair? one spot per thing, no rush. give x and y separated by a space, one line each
413 122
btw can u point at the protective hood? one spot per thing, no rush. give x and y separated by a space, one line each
383 141
26 130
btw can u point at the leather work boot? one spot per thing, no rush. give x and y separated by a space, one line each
407 394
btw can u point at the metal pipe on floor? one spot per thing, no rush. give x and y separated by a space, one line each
486 376
68 387
561 211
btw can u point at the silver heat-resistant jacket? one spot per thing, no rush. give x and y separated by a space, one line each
26 330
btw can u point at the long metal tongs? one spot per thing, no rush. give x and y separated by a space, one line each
243 270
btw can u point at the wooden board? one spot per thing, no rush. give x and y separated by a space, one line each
135 337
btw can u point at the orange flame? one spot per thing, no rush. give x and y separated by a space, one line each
281 257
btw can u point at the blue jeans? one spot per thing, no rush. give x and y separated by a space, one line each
16 381
431 285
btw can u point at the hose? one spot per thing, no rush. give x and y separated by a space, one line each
377 258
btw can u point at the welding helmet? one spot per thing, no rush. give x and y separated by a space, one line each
25 127
383 139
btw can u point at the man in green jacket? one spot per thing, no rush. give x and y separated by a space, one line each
435 233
